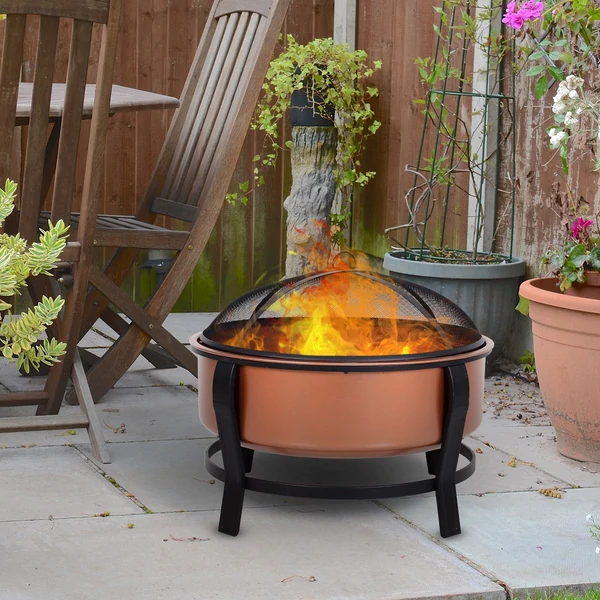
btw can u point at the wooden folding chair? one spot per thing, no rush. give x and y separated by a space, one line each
38 171
189 183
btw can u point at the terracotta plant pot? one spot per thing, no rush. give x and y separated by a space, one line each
566 334
589 289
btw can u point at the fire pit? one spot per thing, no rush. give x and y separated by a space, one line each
347 364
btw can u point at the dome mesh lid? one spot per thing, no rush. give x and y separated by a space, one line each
343 313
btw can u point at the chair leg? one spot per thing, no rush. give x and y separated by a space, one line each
153 353
144 327
99 447
235 460
456 408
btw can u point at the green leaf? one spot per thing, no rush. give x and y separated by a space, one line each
523 306
595 258
535 70
578 255
557 73
537 55
541 87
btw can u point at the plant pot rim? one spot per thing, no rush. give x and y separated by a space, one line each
513 267
544 290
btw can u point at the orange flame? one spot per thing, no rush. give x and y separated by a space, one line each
342 314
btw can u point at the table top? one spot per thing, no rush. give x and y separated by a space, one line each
123 99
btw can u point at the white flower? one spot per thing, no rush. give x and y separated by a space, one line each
573 82
588 518
571 120
579 111
561 92
558 107
573 95
597 550
557 137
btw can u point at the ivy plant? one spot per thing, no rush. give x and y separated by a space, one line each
19 333
334 77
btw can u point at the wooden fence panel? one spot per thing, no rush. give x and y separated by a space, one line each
396 33
157 43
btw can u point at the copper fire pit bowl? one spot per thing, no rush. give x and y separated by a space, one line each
343 364
349 405
340 409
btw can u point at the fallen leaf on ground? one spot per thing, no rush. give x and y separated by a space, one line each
551 493
479 450
311 579
189 539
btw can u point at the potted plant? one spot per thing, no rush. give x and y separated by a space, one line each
326 87
564 307
448 241
19 334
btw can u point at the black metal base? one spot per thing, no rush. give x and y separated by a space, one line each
237 460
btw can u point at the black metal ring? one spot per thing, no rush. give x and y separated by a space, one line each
370 492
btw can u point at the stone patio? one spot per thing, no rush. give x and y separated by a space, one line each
158 537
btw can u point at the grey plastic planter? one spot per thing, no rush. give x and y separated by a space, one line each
487 293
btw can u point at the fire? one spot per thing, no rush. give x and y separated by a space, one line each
345 313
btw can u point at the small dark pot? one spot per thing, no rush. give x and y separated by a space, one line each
303 114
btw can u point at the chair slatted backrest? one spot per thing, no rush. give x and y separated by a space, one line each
219 98
83 14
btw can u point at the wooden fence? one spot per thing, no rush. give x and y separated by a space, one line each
157 43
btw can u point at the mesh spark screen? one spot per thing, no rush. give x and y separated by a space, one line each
343 313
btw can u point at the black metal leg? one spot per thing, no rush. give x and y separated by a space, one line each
234 458
455 414
433 461
248 459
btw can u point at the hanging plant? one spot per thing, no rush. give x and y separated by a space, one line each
335 80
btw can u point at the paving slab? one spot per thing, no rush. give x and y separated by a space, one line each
537 445
514 401
126 415
37 483
144 374
492 475
169 476
13 381
350 551
528 541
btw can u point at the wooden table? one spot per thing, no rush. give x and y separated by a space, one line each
123 99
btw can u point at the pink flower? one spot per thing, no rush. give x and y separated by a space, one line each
531 10
579 226
514 20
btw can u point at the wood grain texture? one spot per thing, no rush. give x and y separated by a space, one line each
159 40
33 174
396 33
123 99
262 7
12 53
86 10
